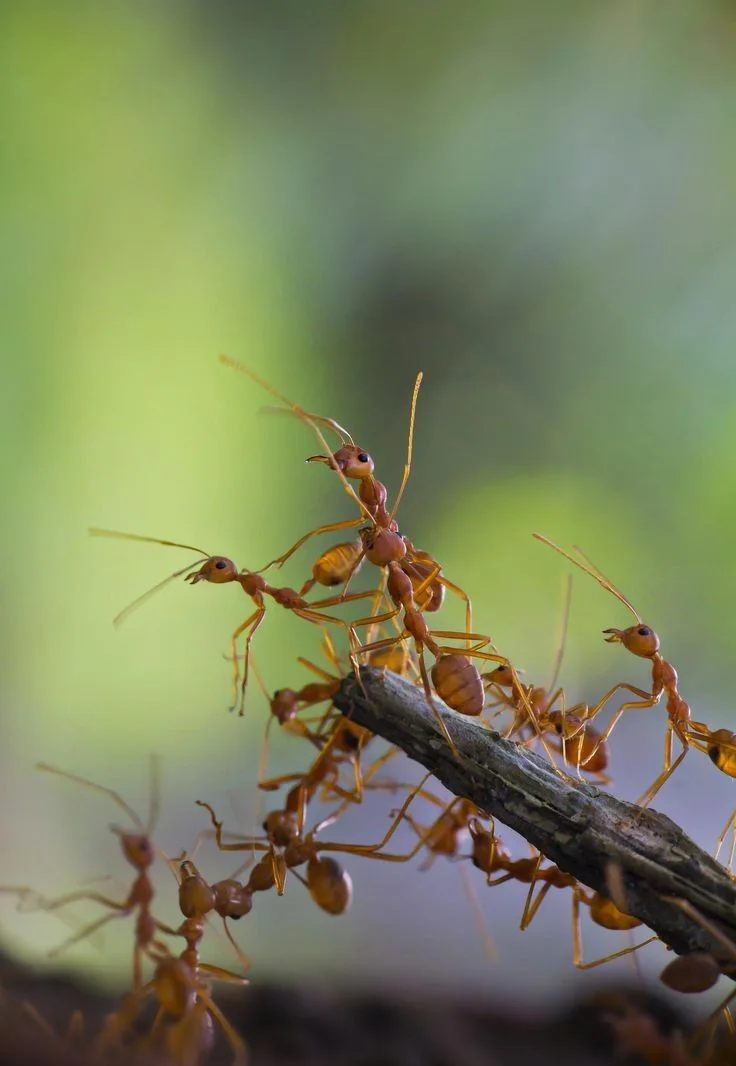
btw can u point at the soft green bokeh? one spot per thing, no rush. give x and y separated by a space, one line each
534 204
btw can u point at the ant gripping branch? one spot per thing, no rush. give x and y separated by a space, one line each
456 678
642 641
578 741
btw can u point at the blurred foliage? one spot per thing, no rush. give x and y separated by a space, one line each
533 203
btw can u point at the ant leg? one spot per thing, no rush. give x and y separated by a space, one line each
531 908
332 527
647 700
430 701
489 945
668 771
480 640
236 1044
254 620
353 571
82 934
577 939
244 844
374 620
318 617
218 974
373 851
729 826
464 596
334 601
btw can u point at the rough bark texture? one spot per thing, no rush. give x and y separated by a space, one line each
572 823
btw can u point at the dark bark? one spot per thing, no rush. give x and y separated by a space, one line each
574 824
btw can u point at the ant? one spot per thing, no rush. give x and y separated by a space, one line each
456 679
641 640
328 884
579 742
695 972
220 570
183 1022
602 909
140 853
492 857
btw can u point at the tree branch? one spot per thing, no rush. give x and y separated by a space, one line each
574 824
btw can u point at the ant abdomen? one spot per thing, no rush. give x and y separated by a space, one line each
458 683
330 886
722 751
336 564
605 913
696 972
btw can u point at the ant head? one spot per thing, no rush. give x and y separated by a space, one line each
503 675
639 640
280 827
232 900
137 848
350 460
283 704
216 569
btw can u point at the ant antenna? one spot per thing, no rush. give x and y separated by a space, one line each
235 365
114 796
589 568
126 611
309 418
563 635
410 444
154 785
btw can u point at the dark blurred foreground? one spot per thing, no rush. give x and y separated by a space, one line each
302 1027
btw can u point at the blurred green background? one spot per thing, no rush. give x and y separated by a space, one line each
534 204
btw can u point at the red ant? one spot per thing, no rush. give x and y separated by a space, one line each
220 570
140 853
183 1023
456 679
328 884
641 640
491 856
579 743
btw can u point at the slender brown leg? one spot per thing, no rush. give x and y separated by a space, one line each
332 527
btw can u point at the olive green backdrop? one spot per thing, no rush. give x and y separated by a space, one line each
534 204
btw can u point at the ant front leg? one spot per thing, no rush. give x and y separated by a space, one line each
333 527
647 700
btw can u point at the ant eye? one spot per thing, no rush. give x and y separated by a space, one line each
644 631
362 457
220 564
277 693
